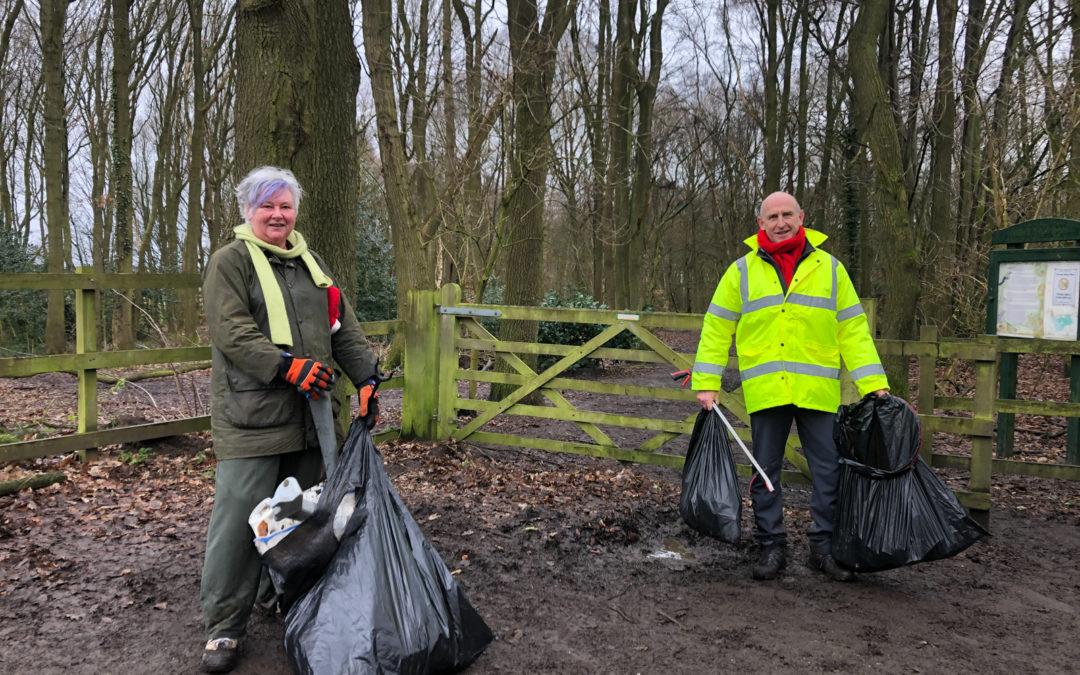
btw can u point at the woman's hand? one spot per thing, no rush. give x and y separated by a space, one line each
309 376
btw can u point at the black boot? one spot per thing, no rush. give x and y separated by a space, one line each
824 562
770 561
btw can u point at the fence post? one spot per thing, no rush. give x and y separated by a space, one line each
982 447
420 394
927 375
1072 440
1006 422
449 296
86 331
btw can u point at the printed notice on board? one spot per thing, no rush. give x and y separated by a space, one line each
1039 299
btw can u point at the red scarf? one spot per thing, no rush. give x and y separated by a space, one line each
786 253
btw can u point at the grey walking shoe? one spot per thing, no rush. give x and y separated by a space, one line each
221 655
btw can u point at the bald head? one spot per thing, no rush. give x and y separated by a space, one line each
780 216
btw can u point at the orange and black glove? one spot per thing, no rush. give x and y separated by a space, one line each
310 376
368 393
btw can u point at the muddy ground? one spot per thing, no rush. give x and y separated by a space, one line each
579 565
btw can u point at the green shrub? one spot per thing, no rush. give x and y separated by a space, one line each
567 333
376 285
22 319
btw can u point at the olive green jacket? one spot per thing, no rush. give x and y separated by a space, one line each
253 411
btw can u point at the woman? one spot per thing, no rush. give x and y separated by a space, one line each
276 321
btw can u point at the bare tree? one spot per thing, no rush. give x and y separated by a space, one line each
892 232
297 75
533 46
53 20
193 232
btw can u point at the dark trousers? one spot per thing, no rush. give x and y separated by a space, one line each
230 578
769 431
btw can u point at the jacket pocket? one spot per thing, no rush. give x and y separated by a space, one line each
250 404
822 355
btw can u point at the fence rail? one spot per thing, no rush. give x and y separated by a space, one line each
438 329
88 360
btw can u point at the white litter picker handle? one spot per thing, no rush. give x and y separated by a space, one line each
768 483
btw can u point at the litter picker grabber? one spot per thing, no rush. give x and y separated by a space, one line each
684 375
322 412
768 483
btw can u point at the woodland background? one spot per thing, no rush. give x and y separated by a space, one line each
614 150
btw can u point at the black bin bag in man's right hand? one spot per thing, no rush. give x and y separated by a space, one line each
386 603
892 509
710 501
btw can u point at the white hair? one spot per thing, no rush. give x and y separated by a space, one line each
262 183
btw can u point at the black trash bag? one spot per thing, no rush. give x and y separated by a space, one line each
710 501
300 558
892 509
386 602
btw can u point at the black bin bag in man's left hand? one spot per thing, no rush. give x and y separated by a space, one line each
892 509
710 501
386 603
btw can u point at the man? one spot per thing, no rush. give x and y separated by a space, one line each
794 314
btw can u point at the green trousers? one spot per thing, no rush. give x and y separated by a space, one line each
230 577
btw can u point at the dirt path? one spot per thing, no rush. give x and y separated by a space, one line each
579 565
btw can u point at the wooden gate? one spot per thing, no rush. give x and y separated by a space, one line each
449 386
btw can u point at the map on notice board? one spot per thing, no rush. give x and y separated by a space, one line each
1038 299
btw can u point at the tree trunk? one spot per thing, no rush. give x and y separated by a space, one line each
971 135
1072 198
414 252
617 210
641 193
450 222
594 94
7 206
803 120
189 302
532 50
939 273
53 18
995 148
123 310
297 76
892 234
773 145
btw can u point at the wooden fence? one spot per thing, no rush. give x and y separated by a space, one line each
439 400
445 328
87 360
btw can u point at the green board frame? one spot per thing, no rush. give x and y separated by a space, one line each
1016 239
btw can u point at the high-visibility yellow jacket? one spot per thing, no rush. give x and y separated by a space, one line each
789 343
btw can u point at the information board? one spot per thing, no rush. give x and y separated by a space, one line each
1038 299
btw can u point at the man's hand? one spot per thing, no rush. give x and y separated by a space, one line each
368 394
309 376
707 398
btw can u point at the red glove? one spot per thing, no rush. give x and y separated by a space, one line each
309 376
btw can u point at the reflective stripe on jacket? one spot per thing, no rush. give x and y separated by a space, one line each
789 344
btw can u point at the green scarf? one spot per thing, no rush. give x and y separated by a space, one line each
277 315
